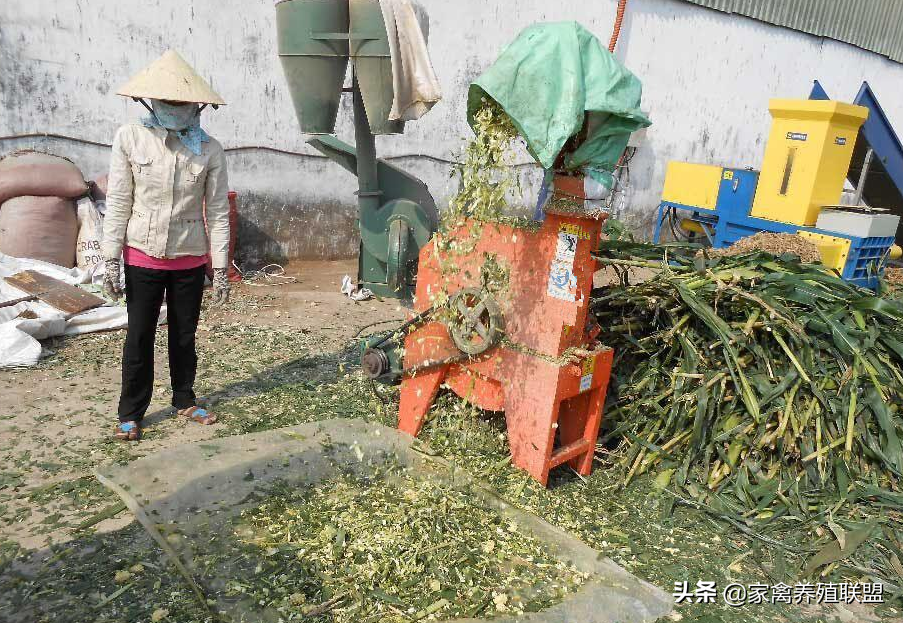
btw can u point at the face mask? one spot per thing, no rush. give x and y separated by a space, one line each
175 116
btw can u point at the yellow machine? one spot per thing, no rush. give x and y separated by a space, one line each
806 159
691 184
797 191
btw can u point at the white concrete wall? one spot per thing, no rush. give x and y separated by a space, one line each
707 80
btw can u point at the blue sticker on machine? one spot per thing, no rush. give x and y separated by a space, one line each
796 136
562 281
839 140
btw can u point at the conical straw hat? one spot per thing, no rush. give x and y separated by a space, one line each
170 77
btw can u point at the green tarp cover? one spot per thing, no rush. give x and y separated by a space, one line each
552 79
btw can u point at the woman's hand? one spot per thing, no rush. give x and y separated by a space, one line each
220 286
112 279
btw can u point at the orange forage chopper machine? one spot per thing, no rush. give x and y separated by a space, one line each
501 312
529 350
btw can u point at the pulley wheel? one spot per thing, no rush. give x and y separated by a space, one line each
477 323
374 363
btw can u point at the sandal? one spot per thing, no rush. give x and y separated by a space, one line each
128 431
199 415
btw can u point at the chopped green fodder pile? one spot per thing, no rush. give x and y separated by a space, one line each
761 390
391 549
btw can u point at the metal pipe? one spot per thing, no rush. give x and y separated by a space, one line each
857 198
368 195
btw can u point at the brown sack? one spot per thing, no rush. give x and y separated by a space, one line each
41 175
39 228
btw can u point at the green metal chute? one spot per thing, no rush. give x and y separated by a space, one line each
392 233
557 82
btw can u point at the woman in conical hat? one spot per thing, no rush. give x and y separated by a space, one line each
163 171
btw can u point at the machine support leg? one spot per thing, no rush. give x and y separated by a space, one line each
579 420
657 233
706 230
531 439
532 415
417 394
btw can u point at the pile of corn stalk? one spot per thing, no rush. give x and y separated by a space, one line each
754 385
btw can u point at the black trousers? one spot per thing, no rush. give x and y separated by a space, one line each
145 289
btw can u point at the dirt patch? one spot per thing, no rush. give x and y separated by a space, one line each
776 244
312 301
894 277
56 418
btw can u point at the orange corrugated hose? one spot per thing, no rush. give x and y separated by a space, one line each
615 33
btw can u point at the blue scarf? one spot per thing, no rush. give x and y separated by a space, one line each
184 120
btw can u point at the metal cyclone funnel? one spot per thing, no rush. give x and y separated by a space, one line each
373 65
314 54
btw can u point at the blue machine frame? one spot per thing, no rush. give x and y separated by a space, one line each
877 131
731 221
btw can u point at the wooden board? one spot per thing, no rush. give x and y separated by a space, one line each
58 294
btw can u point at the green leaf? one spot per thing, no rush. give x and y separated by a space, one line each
833 552
891 447
724 333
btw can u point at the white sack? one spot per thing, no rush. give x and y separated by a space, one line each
19 345
90 231
17 349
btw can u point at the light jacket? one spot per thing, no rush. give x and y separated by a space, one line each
155 197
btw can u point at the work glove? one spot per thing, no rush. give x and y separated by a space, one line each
220 286
112 279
